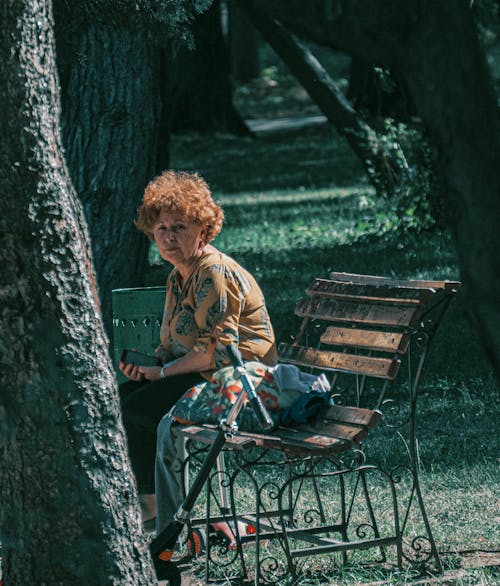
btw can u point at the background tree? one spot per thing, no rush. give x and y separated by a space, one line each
243 45
198 87
111 120
386 151
446 72
109 58
327 95
68 501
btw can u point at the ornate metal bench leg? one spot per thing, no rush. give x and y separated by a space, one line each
434 549
434 553
371 513
416 489
317 493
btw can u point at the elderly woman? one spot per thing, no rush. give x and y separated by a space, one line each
209 297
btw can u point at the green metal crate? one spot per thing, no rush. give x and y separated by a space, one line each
137 315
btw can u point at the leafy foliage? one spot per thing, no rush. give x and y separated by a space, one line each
173 17
414 200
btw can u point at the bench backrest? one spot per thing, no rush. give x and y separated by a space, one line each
364 325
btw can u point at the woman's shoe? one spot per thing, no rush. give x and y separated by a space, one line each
227 530
222 530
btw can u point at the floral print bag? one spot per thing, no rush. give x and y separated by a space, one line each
211 401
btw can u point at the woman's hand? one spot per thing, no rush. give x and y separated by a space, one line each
150 372
138 373
131 371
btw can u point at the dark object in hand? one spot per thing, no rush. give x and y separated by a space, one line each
139 359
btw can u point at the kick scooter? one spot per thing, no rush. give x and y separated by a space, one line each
162 547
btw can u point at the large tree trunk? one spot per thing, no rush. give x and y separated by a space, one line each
446 71
68 511
111 122
198 81
462 116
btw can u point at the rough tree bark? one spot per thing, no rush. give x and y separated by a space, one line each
68 511
446 72
111 121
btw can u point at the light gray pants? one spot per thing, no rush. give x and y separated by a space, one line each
168 474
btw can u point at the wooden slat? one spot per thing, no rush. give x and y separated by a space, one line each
298 442
324 435
339 361
370 314
367 339
338 430
243 440
289 440
307 441
207 433
370 292
308 444
353 415
450 286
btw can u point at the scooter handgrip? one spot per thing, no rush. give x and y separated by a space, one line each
234 355
261 413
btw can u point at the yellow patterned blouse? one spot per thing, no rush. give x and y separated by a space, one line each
221 299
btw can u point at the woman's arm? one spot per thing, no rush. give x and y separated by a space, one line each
191 362
217 308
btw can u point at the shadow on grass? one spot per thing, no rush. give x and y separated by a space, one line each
312 158
306 207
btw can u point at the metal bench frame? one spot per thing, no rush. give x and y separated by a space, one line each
408 313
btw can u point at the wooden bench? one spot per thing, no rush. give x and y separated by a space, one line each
372 336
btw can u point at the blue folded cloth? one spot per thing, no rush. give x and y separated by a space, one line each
307 407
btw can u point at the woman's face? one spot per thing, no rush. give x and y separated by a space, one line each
179 240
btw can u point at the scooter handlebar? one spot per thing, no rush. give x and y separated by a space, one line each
260 411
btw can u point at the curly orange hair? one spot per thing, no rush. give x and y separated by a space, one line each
181 193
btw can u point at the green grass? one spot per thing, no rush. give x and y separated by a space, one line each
460 539
297 207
